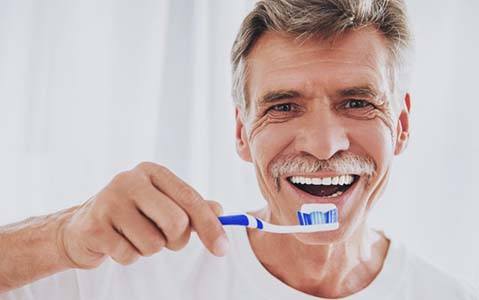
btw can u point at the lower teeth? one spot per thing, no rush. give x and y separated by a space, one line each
334 195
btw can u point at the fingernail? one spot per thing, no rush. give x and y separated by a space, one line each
221 246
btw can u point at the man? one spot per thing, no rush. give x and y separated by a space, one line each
322 108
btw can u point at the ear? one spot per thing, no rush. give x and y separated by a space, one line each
242 144
402 130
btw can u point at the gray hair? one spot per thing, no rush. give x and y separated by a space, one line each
325 19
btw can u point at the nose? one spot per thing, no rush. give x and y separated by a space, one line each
322 135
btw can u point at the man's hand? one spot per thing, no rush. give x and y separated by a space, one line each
138 213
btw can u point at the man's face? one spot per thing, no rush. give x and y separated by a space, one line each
321 112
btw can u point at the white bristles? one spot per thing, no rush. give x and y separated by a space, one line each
317 207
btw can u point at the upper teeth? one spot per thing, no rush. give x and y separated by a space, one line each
341 180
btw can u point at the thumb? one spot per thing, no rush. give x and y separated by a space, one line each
215 206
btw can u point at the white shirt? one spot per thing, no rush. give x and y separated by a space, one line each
193 273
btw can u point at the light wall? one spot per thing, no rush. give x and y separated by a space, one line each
90 88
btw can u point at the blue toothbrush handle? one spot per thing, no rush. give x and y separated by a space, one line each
241 220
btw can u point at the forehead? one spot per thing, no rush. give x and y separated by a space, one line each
315 67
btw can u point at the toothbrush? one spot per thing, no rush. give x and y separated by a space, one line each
312 217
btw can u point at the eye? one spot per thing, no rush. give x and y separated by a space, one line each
284 107
357 103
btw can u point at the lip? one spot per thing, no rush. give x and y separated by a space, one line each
308 198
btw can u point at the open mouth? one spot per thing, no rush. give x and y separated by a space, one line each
327 187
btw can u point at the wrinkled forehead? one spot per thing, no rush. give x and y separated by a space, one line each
315 66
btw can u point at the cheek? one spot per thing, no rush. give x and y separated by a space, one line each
386 117
383 112
268 140
374 137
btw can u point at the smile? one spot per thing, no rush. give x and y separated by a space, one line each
327 187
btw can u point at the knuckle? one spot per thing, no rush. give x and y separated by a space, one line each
146 165
176 226
171 232
180 222
181 242
161 170
127 186
123 183
121 178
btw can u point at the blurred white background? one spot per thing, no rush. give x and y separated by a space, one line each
90 88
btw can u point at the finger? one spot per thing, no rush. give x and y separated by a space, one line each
202 217
119 248
216 207
140 231
180 242
167 215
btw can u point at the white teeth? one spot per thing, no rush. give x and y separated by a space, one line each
336 180
348 179
338 193
327 181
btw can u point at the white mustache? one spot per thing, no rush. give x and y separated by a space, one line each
341 162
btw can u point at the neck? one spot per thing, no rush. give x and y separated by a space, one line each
328 270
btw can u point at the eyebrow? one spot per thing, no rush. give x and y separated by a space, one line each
360 91
274 96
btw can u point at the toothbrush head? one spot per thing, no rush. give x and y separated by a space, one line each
318 213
